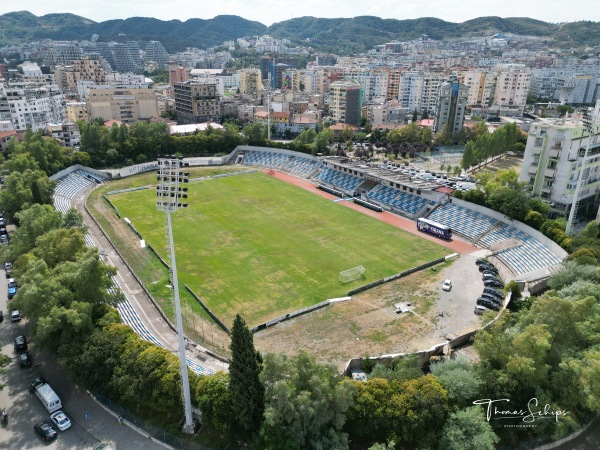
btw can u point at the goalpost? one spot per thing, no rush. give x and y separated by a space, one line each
346 276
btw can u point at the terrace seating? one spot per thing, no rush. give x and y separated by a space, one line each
531 255
265 158
69 187
397 198
301 167
339 179
462 220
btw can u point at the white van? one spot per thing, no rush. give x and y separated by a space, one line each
48 398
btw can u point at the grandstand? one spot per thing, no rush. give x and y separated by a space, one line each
526 256
396 198
68 188
291 162
339 180
462 220
530 255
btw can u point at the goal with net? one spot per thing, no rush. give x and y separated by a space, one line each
346 276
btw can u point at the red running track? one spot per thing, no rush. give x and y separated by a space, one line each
410 226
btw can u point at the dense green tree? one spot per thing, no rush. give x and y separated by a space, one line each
214 400
16 193
468 429
510 202
59 245
306 404
369 419
460 380
255 133
247 392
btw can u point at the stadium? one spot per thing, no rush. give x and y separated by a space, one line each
271 234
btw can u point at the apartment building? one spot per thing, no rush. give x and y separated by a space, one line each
480 85
156 53
31 105
78 70
196 102
250 82
418 91
66 132
290 80
554 160
511 88
451 107
76 111
345 102
127 103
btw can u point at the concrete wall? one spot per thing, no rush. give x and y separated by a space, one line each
68 170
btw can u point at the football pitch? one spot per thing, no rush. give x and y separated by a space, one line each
255 245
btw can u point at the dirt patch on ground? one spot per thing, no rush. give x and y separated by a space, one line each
368 324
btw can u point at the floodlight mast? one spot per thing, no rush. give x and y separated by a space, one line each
587 122
168 194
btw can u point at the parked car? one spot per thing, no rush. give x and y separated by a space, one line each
1 316
12 292
12 282
20 344
15 316
493 283
8 269
492 298
479 310
488 304
61 420
45 430
4 239
484 267
25 359
447 285
494 292
483 261
490 271
35 383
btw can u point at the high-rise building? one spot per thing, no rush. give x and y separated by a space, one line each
452 103
196 102
326 60
511 88
345 102
250 82
276 74
124 61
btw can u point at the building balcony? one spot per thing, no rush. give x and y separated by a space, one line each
554 153
549 173
547 190
532 170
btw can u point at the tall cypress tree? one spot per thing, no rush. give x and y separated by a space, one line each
247 392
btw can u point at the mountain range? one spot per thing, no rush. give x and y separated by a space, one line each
341 36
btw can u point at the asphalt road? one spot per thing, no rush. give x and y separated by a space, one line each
91 423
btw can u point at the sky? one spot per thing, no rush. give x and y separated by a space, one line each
271 11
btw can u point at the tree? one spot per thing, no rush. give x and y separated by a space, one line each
534 219
468 157
415 115
16 193
306 404
369 419
255 133
459 378
247 392
510 202
214 400
468 429
401 369
564 109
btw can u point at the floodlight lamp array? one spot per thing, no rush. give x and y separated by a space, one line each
170 178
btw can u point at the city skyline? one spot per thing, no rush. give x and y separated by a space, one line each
270 11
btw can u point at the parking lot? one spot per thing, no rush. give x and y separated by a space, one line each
455 307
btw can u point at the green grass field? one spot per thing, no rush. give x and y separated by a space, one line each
255 245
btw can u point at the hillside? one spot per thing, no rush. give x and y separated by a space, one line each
21 27
341 36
